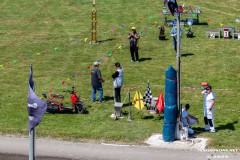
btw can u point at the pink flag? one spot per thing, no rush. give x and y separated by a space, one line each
113 30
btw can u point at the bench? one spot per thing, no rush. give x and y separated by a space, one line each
237 33
190 12
212 33
230 28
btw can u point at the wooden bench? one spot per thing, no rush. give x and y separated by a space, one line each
212 33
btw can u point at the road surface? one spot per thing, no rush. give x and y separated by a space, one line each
16 148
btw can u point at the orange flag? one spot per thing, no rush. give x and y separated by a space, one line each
160 103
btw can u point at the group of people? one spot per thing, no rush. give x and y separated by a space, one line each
208 109
187 119
96 76
97 80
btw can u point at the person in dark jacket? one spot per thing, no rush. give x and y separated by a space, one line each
96 82
133 36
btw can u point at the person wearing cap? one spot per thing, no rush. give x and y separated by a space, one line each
133 37
187 119
117 82
96 82
208 105
174 35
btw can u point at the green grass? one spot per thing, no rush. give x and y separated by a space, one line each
52 34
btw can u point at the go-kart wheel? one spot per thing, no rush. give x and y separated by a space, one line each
79 108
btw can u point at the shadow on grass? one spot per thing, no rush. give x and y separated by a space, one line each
155 116
198 130
229 126
148 117
106 40
127 104
187 54
202 24
66 112
191 37
163 39
108 98
144 59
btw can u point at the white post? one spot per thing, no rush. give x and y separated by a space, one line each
32 153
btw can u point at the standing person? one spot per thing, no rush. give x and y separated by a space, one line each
187 119
133 36
174 35
208 105
96 82
118 81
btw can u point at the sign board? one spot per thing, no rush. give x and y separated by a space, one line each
238 36
212 35
226 33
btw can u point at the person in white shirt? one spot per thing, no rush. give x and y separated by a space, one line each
208 105
118 81
187 119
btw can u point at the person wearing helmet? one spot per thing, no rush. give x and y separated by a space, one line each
133 37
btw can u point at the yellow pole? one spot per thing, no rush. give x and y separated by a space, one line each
94 23
139 102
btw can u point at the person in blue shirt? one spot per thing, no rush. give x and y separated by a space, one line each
174 35
187 119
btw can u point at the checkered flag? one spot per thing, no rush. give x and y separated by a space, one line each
147 97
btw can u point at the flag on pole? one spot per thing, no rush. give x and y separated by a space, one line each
147 97
36 107
160 103
138 101
172 6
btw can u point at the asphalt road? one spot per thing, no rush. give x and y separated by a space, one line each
24 157
13 148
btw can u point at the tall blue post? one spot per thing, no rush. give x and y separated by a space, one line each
170 108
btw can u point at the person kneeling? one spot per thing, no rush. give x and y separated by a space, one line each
188 120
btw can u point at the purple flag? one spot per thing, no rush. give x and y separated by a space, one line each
172 5
36 107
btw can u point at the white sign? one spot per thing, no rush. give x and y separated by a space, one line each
238 36
226 34
212 35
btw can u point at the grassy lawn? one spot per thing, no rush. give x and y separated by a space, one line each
54 35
